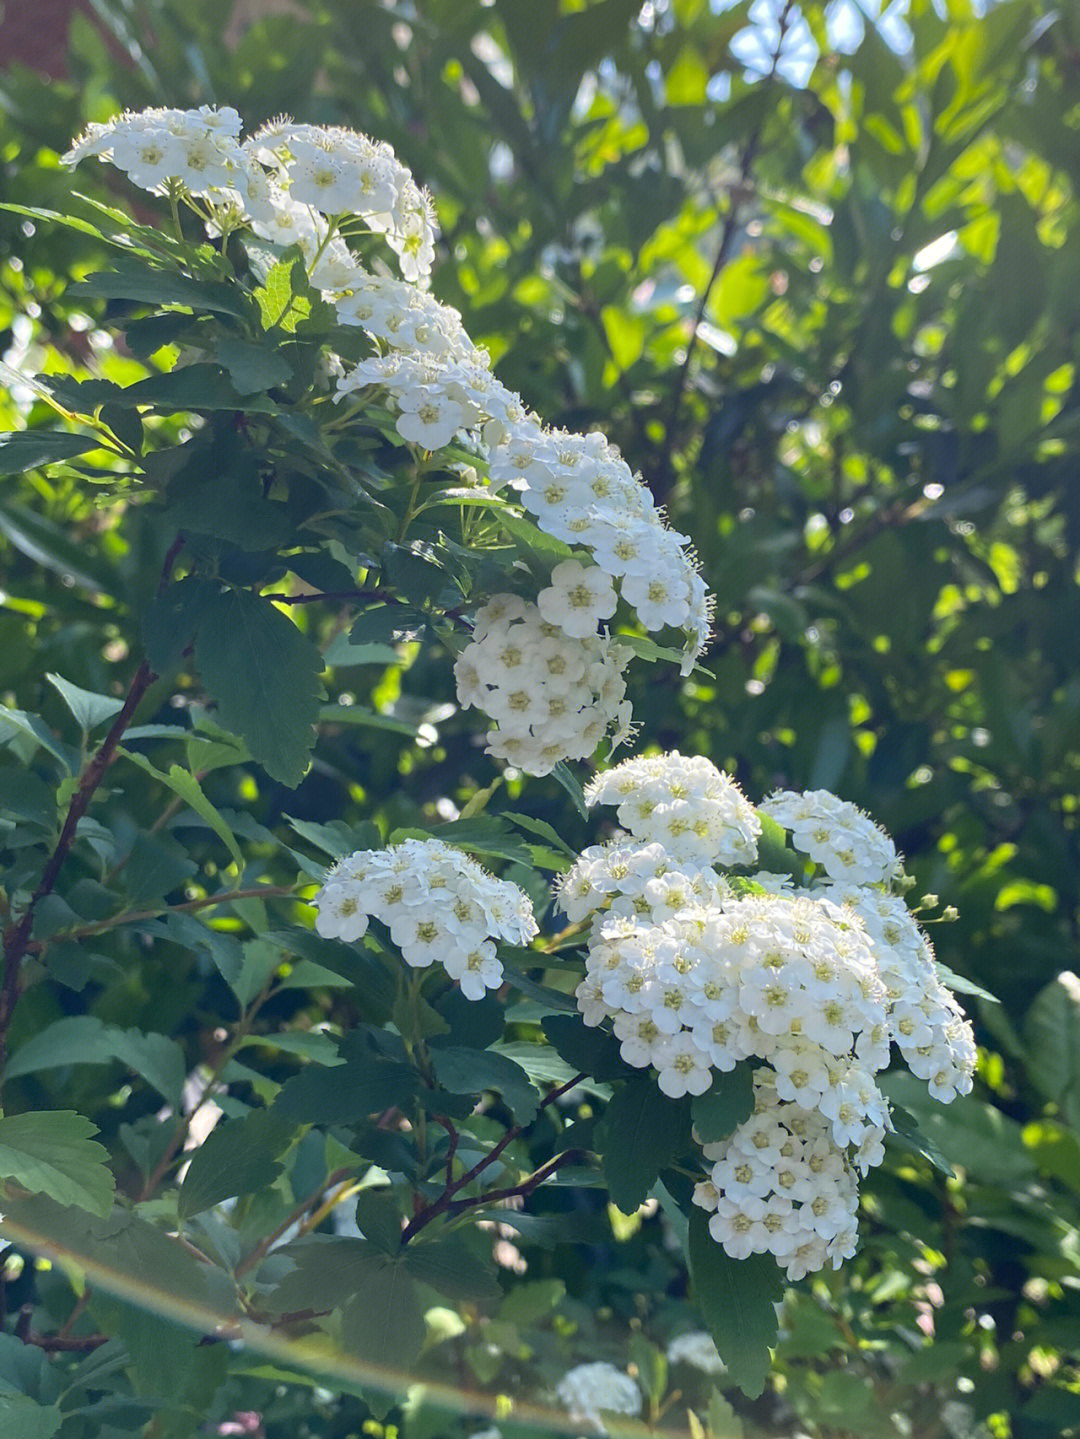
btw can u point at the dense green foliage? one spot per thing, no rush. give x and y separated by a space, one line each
833 317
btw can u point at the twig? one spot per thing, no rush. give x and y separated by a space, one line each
189 906
319 596
446 1202
517 1191
661 482
16 938
269 1240
17 935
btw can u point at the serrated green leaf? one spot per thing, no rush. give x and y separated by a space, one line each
239 1156
253 367
34 449
85 1039
643 1131
264 675
737 1299
53 1153
89 709
184 784
725 1105
471 1071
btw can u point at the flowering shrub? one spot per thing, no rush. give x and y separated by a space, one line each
313 430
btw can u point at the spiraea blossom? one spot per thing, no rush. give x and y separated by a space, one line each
698 1350
589 1390
697 812
553 696
698 971
439 905
837 835
781 1185
198 150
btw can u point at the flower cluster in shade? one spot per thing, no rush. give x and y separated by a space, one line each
321 188
554 695
588 1391
439 905
699 970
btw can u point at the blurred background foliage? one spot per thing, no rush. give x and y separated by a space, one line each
817 270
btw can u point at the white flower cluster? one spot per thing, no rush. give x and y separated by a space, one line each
683 802
293 184
925 1022
837 835
698 972
317 187
438 904
554 696
781 1186
589 1390
698 1350
197 149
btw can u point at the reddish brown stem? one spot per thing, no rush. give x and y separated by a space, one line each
446 1202
17 935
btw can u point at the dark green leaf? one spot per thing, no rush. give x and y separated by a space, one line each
264 675
239 1156
725 1105
737 1299
643 1131
53 1153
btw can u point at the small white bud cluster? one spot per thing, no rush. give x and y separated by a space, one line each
553 696
439 905
781 1186
589 1390
698 972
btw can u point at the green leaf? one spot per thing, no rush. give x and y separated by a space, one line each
542 830
184 784
737 1299
591 1051
1052 1036
253 367
264 675
89 709
961 984
774 854
471 1071
16 722
47 544
572 785
85 1039
33 449
53 1153
24 1418
239 1156
133 279
908 1135
643 1131
725 1105
387 625
346 1093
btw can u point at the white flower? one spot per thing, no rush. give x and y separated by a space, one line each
578 599
439 905
589 1390
553 696
836 835
697 1350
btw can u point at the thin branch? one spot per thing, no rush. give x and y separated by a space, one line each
517 1191
17 936
662 481
317 598
269 1240
189 906
446 1201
